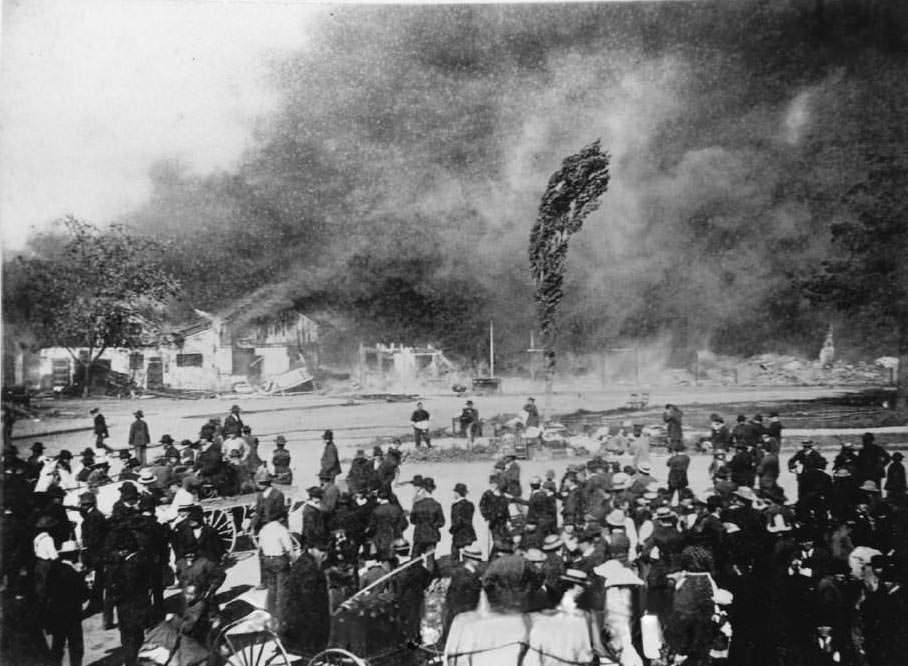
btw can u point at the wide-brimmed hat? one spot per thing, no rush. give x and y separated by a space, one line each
842 473
146 476
869 487
65 454
262 477
315 492
575 576
616 518
746 493
645 467
552 542
328 434
460 488
621 481
401 546
235 408
139 413
663 513
37 446
471 552
534 555
166 439
428 483
88 453
93 410
807 442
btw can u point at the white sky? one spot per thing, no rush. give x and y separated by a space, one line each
92 92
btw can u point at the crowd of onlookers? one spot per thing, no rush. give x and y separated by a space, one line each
602 563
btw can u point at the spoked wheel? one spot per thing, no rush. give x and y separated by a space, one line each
222 522
337 657
251 642
262 650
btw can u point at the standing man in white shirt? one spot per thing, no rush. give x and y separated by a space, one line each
277 552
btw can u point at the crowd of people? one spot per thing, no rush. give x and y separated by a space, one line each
605 563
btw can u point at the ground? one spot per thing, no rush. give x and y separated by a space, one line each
358 422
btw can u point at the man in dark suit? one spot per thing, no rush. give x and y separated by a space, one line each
387 524
330 460
101 432
314 531
510 477
66 590
427 518
269 501
139 439
462 510
129 587
359 476
195 533
94 535
304 610
543 508
233 423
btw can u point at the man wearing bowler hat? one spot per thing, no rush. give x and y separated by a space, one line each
139 438
233 424
462 510
330 462
427 518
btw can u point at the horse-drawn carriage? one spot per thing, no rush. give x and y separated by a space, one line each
230 516
243 635
373 628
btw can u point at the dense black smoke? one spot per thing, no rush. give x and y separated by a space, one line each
394 192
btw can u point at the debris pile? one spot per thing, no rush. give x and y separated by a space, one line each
782 369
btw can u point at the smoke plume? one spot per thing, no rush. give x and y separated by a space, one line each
394 189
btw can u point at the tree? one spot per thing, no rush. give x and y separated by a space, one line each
572 194
97 290
867 277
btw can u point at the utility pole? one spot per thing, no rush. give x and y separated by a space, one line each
491 349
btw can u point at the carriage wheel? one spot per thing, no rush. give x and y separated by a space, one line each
265 649
337 657
222 522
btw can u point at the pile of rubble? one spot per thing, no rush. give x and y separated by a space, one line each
781 369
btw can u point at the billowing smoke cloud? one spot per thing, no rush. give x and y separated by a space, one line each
396 187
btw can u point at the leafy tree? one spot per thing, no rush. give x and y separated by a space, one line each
867 276
97 290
